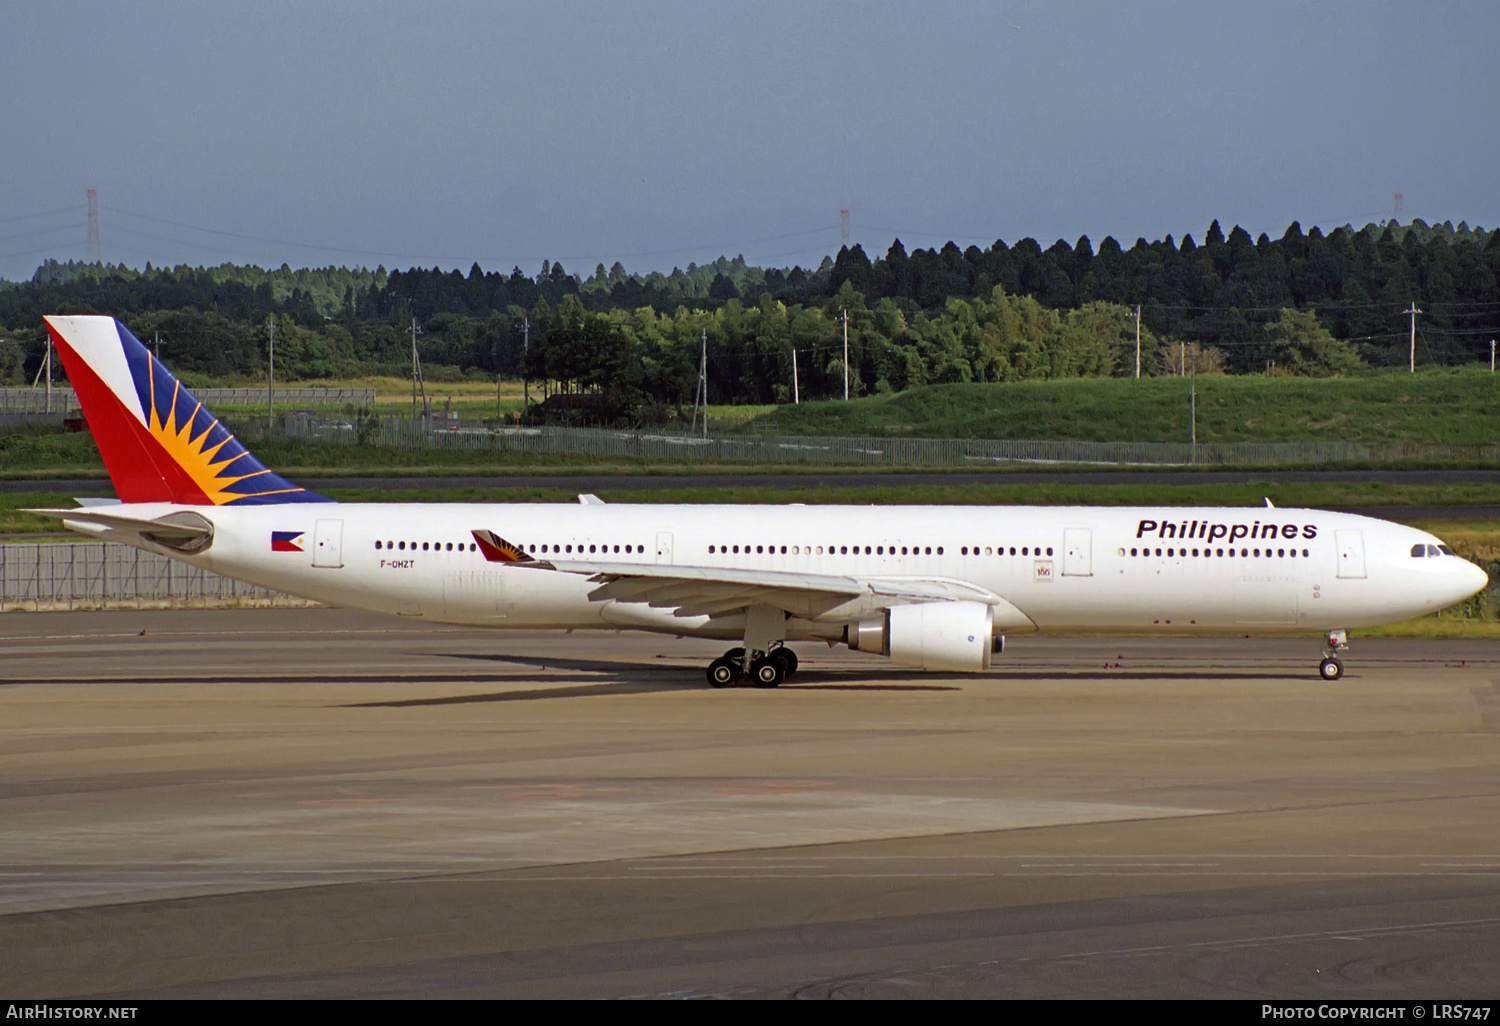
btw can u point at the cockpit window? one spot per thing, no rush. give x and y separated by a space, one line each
1432 550
1445 550
1418 551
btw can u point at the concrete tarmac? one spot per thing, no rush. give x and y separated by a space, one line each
324 803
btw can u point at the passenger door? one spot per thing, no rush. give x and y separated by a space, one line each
1351 546
328 543
1078 556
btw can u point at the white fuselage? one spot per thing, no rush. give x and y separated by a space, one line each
1146 569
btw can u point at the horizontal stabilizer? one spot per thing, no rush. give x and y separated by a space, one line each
184 531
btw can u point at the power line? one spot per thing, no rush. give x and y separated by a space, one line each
323 247
28 252
41 213
40 231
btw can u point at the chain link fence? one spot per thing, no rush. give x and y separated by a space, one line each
62 400
393 433
93 575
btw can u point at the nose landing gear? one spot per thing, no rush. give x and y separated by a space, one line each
1332 667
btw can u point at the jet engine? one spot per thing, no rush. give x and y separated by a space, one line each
956 636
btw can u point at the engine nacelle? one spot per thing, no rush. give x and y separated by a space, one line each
954 636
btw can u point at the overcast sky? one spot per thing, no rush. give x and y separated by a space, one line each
661 133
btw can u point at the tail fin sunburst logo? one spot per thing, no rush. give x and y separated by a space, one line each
497 550
159 443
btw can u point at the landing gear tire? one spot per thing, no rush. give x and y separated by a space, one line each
788 660
723 672
767 673
1331 668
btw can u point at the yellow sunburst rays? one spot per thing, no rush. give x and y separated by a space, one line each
190 455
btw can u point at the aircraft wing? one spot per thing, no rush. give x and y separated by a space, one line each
714 591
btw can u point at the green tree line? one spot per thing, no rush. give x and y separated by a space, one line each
1305 303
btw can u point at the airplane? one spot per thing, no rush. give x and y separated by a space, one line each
930 587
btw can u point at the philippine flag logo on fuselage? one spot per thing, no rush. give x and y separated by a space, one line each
287 541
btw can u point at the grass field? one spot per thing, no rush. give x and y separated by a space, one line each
475 400
1439 406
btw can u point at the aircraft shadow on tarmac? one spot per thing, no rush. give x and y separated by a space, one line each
634 678
1131 675
805 679
889 678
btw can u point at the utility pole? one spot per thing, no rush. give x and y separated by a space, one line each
846 356
416 372
49 373
1492 356
158 347
1181 359
797 395
271 380
1412 365
1137 341
700 390
95 255
525 363
1193 404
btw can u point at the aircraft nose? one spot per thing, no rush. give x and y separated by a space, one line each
1474 579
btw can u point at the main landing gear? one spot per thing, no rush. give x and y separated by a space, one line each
1332 667
765 671
764 660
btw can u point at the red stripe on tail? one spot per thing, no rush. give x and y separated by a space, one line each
141 470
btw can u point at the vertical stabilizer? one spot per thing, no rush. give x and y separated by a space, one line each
159 443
